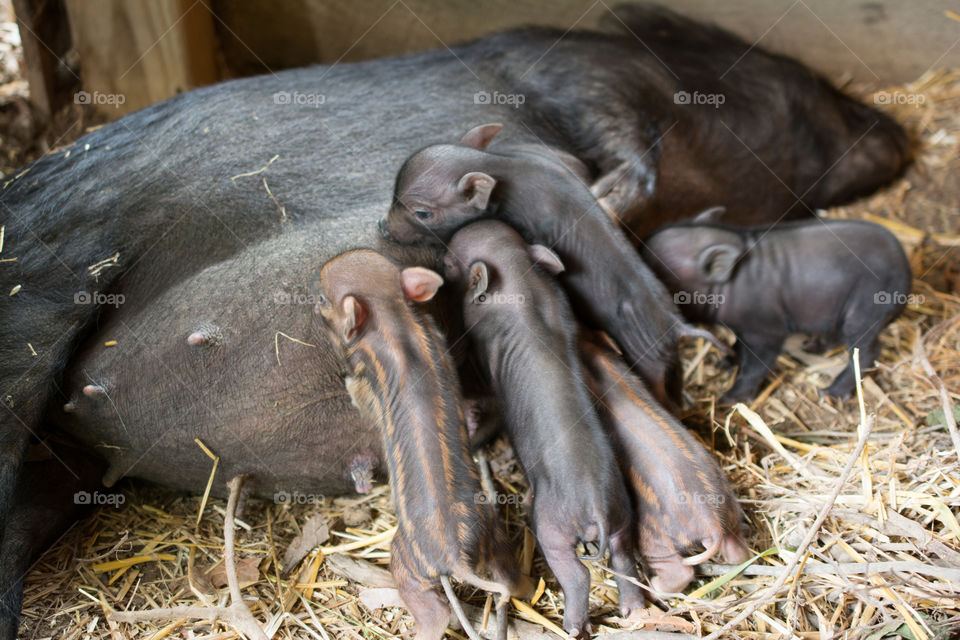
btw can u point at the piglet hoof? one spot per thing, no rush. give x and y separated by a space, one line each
730 399
578 631
840 391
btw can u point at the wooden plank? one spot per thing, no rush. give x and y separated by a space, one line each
134 53
46 39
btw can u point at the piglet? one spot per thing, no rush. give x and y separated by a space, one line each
521 326
402 379
443 187
843 280
681 496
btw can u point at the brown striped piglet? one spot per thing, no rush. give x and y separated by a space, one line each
681 496
521 326
402 379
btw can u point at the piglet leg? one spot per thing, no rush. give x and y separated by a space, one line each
422 598
559 549
757 361
844 384
623 563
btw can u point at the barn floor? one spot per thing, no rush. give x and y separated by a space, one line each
897 511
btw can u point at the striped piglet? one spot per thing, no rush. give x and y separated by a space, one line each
402 379
681 496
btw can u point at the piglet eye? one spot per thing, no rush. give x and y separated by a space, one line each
423 214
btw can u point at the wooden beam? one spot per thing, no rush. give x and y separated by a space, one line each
134 53
45 35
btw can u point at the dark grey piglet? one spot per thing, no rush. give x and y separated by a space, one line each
541 193
520 325
843 280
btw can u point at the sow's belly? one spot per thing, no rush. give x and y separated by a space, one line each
235 358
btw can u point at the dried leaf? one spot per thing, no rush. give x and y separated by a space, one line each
248 573
315 532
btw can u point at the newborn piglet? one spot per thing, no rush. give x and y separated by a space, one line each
681 496
520 325
843 280
443 187
402 379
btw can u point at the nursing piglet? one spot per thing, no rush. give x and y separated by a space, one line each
402 380
521 326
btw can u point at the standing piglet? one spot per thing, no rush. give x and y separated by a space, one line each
681 496
541 194
841 280
521 326
402 379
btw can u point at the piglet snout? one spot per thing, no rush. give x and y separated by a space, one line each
382 227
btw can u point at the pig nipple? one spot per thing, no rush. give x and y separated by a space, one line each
206 334
361 472
92 391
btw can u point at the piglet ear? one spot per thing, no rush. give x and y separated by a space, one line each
717 262
475 187
713 214
479 281
546 259
420 284
354 315
480 137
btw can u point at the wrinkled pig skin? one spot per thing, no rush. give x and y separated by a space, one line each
842 280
